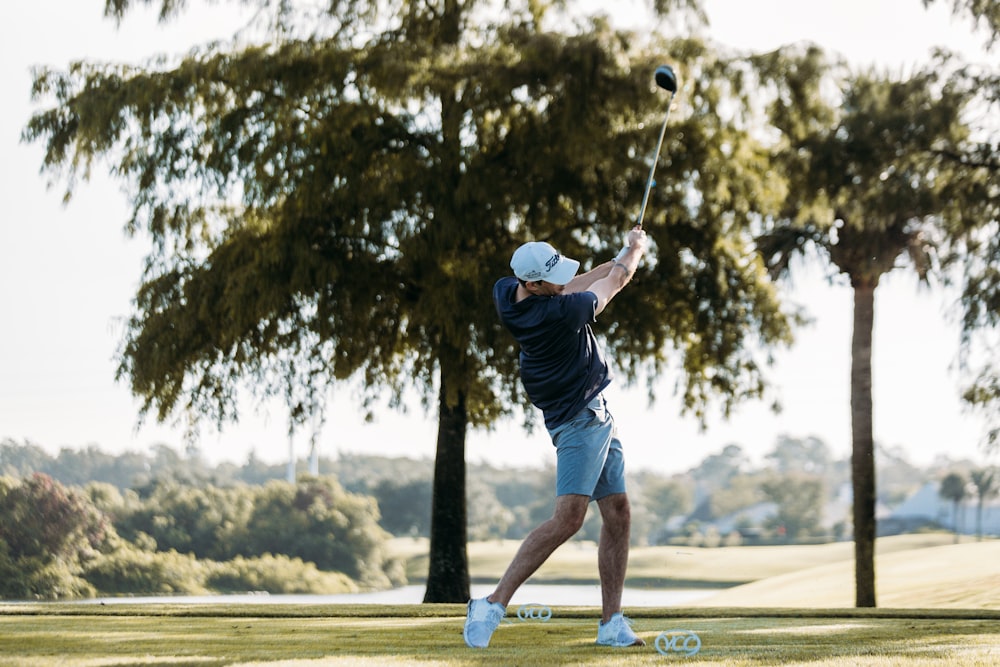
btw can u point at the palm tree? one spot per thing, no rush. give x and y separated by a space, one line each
865 191
987 485
953 488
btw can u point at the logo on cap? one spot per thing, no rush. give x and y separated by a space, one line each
537 260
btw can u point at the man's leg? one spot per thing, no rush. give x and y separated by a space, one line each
612 552
581 451
567 519
485 614
612 561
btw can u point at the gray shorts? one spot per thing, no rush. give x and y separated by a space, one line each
589 460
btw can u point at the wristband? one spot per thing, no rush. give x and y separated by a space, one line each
621 253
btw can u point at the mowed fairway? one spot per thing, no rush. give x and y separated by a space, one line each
431 635
940 606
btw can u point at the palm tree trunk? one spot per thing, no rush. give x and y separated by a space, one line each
863 450
448 571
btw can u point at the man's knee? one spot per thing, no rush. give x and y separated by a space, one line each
615 509
570 513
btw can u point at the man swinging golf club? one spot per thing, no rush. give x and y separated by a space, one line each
549 310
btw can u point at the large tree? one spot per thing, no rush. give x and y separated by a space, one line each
332 195
870 190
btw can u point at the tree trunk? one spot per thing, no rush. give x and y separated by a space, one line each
863 450
448 570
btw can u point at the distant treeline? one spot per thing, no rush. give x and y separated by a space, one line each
799 475
85 522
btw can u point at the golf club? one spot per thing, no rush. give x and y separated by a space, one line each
666 79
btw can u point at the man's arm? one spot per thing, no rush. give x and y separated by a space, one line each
582 282
621 270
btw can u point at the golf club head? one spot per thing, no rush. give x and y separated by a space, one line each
665 78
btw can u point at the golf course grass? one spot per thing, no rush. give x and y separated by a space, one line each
385 636
940 606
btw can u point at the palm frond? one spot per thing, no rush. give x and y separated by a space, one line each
778 246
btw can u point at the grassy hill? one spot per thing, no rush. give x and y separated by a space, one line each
912 571
957 576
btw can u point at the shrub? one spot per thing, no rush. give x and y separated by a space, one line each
34 578
276 574
131 571
48 534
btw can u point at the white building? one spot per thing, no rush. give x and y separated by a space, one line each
927 504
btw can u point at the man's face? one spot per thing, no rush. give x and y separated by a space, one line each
544 288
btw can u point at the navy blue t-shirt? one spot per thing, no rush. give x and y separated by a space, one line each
562 367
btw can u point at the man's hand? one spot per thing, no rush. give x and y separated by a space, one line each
637 238
628 259
622 268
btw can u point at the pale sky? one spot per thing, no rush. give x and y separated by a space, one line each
68 274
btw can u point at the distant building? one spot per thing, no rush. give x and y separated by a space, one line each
926 507
754 515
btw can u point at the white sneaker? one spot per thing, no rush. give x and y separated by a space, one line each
618 632
481 620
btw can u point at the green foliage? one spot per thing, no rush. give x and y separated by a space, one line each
655 500
58 542
131 571
339 180
868 180
405 507
46 521
38 578
718 469
80 466
986 483
207 521
810 455
20 460
105 497
984 12
292 122
799 498
954 487
489 517
317 521
978 249
314 520
48 534
521 497
739 492
277 574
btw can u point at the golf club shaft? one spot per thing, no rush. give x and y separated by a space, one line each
656 158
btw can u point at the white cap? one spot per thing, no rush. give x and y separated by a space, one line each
537 260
